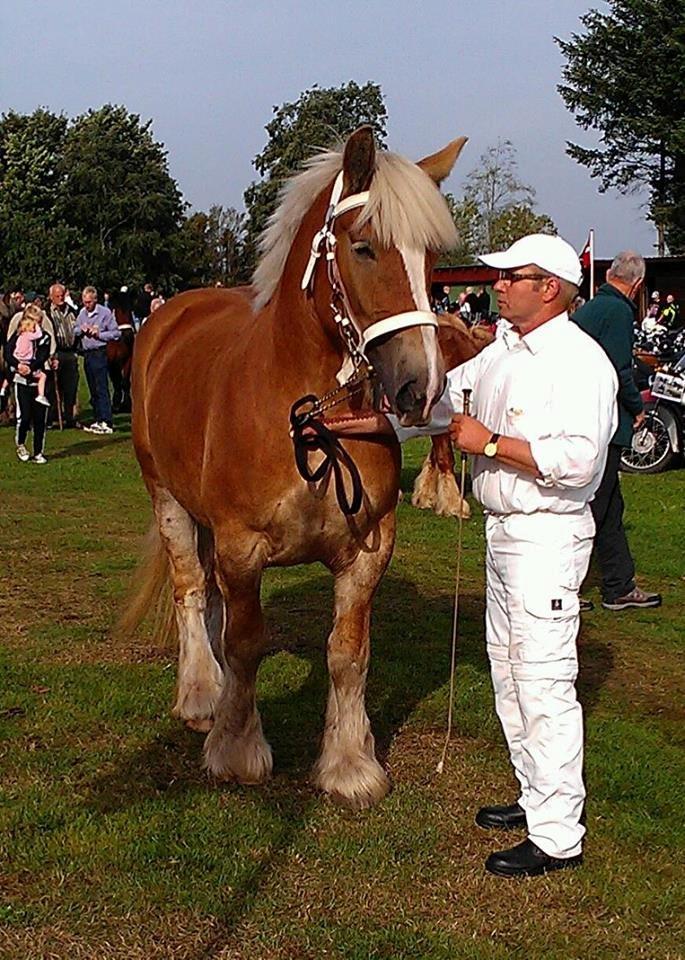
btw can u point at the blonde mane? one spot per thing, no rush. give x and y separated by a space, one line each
405 210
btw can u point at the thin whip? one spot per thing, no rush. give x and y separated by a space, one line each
455 614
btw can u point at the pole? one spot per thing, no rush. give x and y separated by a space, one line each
455 616
592 264
58 400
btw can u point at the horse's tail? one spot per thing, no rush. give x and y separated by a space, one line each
151 593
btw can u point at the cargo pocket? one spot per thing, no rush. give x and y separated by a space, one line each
558 602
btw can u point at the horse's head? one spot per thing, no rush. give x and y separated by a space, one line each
384 255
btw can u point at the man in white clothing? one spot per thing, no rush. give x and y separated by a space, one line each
542 414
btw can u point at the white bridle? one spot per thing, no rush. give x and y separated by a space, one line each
356 345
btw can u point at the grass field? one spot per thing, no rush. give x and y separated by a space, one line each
113 843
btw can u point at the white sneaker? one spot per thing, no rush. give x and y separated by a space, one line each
44 400
94 428
105 428
23 453
39 458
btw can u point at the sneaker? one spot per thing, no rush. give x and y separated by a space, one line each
23 453
586 605
105 428
95 428
43 400
39 458
636 598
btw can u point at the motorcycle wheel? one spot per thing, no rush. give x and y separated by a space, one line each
651 450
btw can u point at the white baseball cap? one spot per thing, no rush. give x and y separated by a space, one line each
549 253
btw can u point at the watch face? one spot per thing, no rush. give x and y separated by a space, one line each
490 449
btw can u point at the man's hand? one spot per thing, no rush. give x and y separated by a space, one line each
24 369
469 434
54 363
639 420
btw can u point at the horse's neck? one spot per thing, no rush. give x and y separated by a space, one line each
301 327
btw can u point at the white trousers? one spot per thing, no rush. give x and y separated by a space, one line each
535 564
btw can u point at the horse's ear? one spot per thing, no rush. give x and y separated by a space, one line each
439 165
359 160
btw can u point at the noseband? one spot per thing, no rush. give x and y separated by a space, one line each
356 339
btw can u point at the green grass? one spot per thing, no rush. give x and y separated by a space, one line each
114 844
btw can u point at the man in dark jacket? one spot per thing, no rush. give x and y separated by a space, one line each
65 362
609 318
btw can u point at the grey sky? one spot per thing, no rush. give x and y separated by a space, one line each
209 72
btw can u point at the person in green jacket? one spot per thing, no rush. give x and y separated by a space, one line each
609 318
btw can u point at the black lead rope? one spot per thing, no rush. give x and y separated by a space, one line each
335 457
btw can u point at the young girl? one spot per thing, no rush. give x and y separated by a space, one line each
30 331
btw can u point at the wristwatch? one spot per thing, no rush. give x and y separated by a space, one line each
490 448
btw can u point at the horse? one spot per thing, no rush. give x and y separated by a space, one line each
436 486
120 352
342 281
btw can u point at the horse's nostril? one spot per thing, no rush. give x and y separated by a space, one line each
409 399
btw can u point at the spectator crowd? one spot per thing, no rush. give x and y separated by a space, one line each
42 338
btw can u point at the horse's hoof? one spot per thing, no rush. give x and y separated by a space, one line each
355 785
242 760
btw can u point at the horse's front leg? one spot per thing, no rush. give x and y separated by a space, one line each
347 768
235 748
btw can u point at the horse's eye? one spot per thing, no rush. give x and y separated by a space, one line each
364 250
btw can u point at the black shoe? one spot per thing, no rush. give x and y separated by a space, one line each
501 818
527 860
586 606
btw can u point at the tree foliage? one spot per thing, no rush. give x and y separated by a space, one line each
625 77
320 118
496 208
212 247
89 200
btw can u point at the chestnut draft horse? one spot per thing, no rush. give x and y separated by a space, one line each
436 486
214 376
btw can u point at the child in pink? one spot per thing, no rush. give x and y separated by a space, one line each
30 331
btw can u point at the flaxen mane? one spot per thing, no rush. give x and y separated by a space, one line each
405 209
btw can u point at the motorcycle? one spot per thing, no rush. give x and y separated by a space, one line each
660 438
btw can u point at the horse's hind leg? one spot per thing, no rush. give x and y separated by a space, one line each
200 678
347 768
235 748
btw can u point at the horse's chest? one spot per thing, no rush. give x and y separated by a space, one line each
308 524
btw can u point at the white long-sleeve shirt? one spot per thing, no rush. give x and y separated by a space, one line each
556 388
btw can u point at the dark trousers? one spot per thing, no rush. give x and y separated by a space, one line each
30 415
67 376
611 546
95 365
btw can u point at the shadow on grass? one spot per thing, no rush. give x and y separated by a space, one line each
86 447
410 660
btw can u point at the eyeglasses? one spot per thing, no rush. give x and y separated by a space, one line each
509 276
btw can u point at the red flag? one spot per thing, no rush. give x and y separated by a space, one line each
585 255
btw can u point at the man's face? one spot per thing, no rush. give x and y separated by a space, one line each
57 296
520 300
89 301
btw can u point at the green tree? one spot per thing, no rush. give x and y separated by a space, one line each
317 120
496 208
36 245
467 220
625 77
518 221
119 195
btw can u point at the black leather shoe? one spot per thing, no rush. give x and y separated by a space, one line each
501 818
527 860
